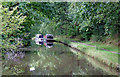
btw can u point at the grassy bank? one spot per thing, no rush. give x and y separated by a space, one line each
96 50
100 45
104 56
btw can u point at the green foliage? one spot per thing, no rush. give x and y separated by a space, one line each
15 25
99 19
10 27
84 19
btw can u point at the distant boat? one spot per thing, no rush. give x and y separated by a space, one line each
39 39
47 40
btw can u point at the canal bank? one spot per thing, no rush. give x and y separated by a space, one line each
97 51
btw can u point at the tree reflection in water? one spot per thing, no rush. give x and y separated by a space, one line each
58 60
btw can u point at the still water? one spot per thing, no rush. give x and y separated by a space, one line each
58 60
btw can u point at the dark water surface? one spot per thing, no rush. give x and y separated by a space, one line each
58 60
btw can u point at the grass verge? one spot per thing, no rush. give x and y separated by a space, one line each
104 56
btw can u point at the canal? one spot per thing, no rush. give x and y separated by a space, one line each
58 60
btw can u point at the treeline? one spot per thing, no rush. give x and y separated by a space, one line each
95 20
86 20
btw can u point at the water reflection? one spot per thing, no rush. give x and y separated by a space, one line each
15 56
58 60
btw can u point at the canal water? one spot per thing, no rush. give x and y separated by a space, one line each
58 60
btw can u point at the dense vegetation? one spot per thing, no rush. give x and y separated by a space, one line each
86 20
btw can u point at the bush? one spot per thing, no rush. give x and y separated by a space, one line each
11 27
